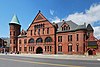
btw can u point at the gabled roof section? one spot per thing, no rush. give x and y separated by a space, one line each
89 27
39 17
15 20
81 27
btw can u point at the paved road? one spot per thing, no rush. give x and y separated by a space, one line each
15 61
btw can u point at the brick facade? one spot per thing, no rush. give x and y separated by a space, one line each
45 37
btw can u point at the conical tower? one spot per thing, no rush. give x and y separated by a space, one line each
14 32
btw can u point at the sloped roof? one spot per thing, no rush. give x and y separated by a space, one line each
15 20
81 27
72 25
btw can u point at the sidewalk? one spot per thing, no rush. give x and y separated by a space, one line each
74 57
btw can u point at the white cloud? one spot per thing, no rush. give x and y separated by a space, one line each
90 16
97 32
55 19
51 12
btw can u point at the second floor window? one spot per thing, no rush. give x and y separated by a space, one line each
47 30
19 41
10 33
14 33
10 41
77 37
59 38
31 33
43 31
35 32
39 31
69 37
14 42
84 37
25 41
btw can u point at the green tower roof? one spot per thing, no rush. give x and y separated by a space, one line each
15 20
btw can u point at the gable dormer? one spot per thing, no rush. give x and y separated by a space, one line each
23 32
65 26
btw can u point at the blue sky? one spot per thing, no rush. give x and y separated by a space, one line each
54 10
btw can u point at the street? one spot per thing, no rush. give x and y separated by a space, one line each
14 61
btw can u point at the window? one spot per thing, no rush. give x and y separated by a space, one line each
13 41
20 48
60 48
48 39
50 48
25 41
43 31
33 48
69 37
38 31
47 30
65 28
31 33
30 48
10 41
35 32
84 47
77 37
39 40
59 38
14 33
84 37
45 48
31 40
25 48
19 41
77 47
69 48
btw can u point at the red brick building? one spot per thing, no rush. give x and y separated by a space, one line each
3 46
42 36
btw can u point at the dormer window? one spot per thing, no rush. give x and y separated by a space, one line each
65 28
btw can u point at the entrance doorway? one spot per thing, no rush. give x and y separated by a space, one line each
90 52
39 50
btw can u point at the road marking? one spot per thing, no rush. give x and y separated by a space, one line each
40 63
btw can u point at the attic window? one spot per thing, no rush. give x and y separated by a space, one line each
65 28
39 26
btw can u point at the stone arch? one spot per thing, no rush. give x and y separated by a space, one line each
39 40
39 50
90 52
31 40
48 39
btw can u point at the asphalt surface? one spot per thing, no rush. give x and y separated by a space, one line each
15 61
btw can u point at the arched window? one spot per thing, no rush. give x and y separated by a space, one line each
48 39
65 28
31 40
39 40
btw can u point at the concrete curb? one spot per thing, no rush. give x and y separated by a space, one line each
71 57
